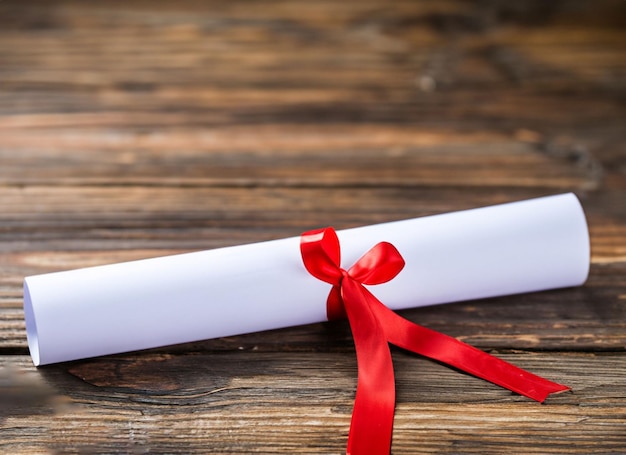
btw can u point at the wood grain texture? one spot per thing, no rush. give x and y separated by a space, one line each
133 129
283 402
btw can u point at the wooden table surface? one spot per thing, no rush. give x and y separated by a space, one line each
135 129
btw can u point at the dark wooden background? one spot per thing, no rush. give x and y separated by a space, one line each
134 129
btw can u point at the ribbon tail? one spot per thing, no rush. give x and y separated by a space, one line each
443 348
372 418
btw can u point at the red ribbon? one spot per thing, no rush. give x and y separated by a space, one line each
374 326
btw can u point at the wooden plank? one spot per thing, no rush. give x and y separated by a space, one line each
284 155
230 65
67 225
205 45
301 403
46 207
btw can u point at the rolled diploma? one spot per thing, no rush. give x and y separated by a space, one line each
499 250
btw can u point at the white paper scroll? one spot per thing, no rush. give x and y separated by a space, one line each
504 249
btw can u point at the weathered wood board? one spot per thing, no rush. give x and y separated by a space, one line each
137 129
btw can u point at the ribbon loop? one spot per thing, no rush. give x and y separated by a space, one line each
379 265
321 254
374 326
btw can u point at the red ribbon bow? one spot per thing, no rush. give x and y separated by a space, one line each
374 326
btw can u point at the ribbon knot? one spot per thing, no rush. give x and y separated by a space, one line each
321 255
374 326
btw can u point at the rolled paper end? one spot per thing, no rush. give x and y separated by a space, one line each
583 233
31 326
